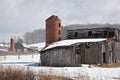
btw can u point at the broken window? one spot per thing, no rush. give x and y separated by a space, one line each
111 34
88 45
105 34
59 25
89 33
96 35
76 34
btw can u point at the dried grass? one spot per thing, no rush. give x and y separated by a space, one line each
10 73
113 65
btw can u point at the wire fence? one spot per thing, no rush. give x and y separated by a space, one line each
18 56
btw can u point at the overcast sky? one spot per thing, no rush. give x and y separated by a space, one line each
20 16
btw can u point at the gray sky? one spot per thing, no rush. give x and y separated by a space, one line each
20 16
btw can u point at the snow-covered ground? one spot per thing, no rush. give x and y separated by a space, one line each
77 73
23 60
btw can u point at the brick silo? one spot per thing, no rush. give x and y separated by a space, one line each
12 44
53 29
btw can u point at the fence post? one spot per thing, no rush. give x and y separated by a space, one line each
5 57
18 55
32 55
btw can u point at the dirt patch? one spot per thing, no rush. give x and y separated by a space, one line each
113 65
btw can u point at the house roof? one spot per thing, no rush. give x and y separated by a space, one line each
73 41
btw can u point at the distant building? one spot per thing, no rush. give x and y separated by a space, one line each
90 45
12 44
82 30
23 47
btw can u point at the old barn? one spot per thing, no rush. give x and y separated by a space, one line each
80 51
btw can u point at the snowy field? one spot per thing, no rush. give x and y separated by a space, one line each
76 73
22 60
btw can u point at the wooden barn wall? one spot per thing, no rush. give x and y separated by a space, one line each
58 57
116 52
113 49
93 53
117 47
88 55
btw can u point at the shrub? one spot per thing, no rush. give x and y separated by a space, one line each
10 73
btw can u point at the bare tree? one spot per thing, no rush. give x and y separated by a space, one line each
36 36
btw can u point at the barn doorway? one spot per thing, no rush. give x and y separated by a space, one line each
104 57
77 55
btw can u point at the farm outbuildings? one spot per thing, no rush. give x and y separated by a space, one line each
23 47
80 51
19 47
80 45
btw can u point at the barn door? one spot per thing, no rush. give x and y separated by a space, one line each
80 54
77 56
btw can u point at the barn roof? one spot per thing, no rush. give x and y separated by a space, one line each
73 41
91 26
25 45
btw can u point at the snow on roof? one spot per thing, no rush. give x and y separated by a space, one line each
73 41
25 45
39 46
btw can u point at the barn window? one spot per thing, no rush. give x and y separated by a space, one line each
76 34
111 34
96 35
89 33
88 45
59 25
77 50
105 34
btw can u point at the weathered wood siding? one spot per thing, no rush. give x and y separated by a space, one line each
94 54
91 55
112 51
58 57
116 52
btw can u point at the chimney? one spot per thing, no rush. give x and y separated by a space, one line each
53 29
12 44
